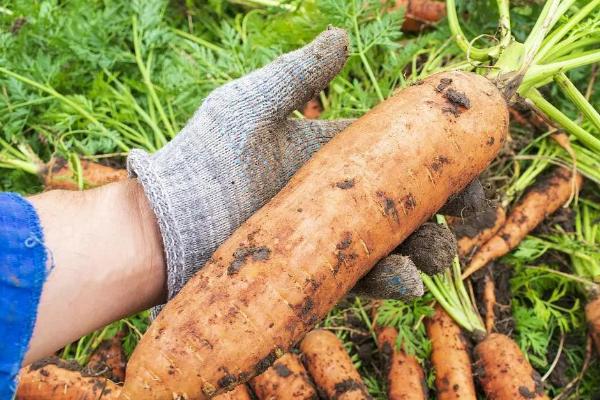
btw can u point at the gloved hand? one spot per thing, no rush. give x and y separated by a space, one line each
236 152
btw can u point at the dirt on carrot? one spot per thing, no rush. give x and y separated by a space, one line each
240 392
250 318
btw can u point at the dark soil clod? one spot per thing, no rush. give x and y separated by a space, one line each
241 255
345 184
444 83
457 98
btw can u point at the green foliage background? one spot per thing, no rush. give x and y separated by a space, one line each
93 79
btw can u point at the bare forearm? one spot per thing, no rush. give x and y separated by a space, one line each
108 262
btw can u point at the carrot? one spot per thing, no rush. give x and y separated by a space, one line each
504 372
109 359
312 109
348 207
240 392
404 374
58 175
286 379
331 367
450 358
472 232
489 301
420 13
57 380
592 315
542 200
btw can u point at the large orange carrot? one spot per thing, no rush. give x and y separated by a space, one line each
450 358
109 359
504 372
331 367
404 375
288 264
421 13
472 232
57 380
542 200
59 176
240 392
286 379
592 315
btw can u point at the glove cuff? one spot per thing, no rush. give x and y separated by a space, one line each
140 166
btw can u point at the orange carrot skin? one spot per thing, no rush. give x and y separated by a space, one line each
420 13
61 177
504 372
56 383
450 358
592 315
331 367
110 356
405 376
288 264
240 392
286 379
468 244
535 206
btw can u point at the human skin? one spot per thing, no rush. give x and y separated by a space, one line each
106 251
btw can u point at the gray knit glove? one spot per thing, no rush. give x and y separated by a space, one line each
235 153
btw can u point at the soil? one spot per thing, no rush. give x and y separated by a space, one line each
431 247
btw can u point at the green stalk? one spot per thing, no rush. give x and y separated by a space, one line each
556 115
539 73
364 60
198 40
146 77
552 39
578 99
51 91
466 46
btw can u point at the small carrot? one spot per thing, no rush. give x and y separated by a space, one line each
404 375
504 372
109 359
312 109
286 379
419 14
58 175
331 367
489 300
450 358
58 380
472 232
542 200
592 315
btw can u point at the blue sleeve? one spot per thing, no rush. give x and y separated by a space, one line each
22 275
